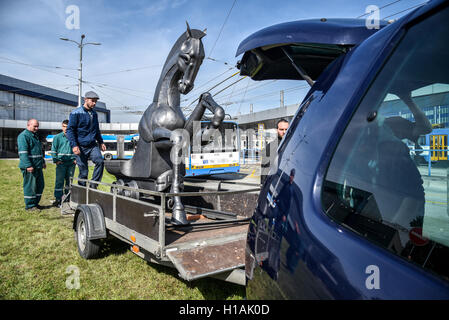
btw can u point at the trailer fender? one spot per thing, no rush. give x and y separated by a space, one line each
95 224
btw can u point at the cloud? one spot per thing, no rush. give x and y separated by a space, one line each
177 3
58 7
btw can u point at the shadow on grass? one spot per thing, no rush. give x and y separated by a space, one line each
46 207
210 288
214 289
112 246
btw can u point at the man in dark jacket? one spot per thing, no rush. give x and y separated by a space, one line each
270 150
31 164
84 136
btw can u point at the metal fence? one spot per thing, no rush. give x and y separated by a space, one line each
423 157
249 156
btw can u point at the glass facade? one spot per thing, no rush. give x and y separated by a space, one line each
42 103
15 106
6 105
8 142
434 105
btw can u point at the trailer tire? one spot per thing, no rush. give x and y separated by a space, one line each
88 249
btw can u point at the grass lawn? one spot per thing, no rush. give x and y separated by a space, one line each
38 252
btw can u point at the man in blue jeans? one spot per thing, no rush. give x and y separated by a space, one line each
84 136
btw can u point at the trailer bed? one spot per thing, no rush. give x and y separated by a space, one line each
212 245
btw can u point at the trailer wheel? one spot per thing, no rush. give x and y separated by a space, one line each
88 249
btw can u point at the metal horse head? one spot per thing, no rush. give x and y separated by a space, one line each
190 58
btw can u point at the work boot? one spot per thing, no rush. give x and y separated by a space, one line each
32 209
57 203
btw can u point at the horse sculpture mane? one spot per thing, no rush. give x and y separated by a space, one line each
162 122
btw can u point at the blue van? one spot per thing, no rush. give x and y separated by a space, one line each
345 212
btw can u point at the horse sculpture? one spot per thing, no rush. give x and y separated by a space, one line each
163 125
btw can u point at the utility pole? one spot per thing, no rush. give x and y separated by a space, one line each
282 98
80 75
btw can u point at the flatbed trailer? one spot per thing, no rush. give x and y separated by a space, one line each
212 245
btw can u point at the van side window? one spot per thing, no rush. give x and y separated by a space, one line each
388 177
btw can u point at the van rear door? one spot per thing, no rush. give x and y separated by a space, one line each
310 44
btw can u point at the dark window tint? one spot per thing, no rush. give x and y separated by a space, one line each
380 183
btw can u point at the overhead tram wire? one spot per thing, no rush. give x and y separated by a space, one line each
117 90
219 61
269 94
229 86
207 82
387 5
413 7
123 106
250 87
39 68
394 14
38 86
222 27
102 92
225 88
116 87
126 70
215 87
34 65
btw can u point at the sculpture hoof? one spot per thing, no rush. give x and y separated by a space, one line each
179 217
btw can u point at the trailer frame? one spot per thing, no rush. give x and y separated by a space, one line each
223 231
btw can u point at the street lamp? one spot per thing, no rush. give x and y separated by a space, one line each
80 78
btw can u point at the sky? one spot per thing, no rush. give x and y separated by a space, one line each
136 37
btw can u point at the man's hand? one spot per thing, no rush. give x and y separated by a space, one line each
58 162
76 150
44 165
103 147
30 169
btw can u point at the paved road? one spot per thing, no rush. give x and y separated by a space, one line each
436 218
249 174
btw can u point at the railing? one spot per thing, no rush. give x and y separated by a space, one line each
114 189
248 156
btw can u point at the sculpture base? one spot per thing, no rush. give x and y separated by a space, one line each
160 184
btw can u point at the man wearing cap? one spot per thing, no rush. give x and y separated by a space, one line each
84 136
64 159
31 164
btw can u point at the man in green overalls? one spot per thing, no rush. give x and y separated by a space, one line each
31 164
63 156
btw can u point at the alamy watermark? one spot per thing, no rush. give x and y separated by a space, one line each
73 20
372 21
373 280
73 280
